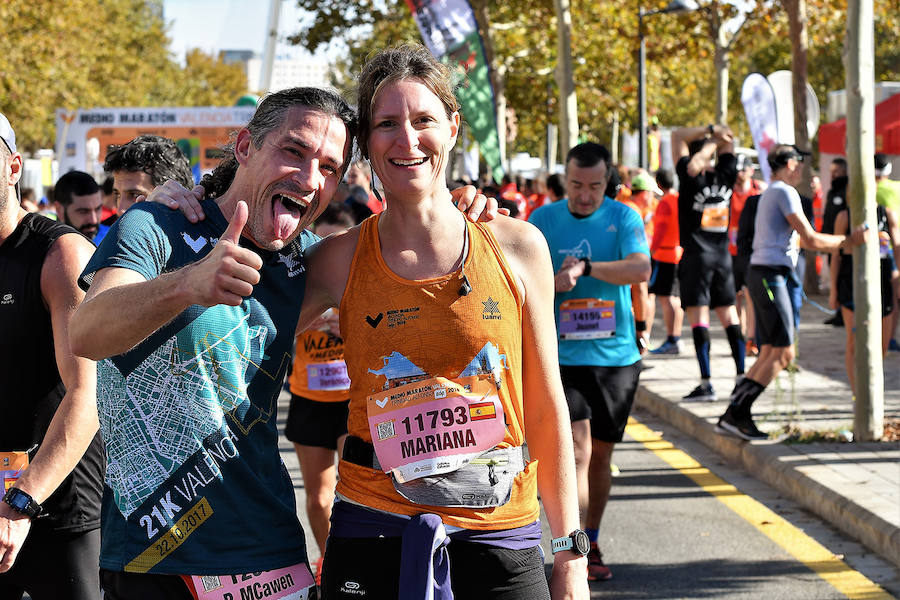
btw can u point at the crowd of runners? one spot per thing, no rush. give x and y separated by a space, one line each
457 363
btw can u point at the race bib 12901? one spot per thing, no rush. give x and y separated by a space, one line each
587 319
327 376
434 426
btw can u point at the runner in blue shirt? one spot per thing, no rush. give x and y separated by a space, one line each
599 249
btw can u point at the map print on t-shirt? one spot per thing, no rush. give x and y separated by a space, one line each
399 370
176 398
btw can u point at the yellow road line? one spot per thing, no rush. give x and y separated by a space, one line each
836 572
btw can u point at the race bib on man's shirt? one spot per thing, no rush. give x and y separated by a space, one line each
587 319
715 217
290 583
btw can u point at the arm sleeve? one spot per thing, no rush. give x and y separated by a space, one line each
136 241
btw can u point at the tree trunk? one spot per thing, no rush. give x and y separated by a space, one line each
719 38
614 138
498 73
796 11
868 422
565 78
720 63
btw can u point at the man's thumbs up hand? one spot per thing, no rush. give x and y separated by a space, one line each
228 273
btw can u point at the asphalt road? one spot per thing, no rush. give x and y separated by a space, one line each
705 529
665 536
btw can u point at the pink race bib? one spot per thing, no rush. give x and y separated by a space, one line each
434 426
327 376
290 583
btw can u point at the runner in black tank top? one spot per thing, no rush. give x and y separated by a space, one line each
59 557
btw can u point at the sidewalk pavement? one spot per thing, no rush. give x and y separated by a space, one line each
853 486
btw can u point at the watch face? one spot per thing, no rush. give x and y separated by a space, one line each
581 542
18 501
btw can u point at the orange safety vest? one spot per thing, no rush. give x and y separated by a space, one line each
400 331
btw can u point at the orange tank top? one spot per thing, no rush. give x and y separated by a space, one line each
400 331
319 372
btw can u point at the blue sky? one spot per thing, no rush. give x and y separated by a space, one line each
214 25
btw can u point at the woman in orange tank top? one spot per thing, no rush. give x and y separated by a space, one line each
450 347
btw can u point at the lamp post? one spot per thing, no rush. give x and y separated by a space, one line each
676 7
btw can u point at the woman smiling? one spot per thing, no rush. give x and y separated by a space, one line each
451 352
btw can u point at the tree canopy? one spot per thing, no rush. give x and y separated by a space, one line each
680 49
88 53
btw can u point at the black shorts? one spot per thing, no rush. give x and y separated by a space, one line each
705 279
119 585
739 266
312 423
372 565
662 278
772 305
602 394
845 289
55 565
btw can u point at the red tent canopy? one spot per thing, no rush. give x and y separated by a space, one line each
832 136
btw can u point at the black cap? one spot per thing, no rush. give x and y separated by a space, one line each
882 165
782 153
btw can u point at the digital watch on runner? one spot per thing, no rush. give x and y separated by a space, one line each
577 542
22 503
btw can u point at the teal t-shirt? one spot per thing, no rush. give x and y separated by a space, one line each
194 481
611 233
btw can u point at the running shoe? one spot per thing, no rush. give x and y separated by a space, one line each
893 346
668 347
741 426
702 393
597 571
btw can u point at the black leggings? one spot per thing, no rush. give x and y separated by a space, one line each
372 565
55 566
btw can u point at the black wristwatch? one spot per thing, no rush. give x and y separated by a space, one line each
577 542
587 267
22 503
